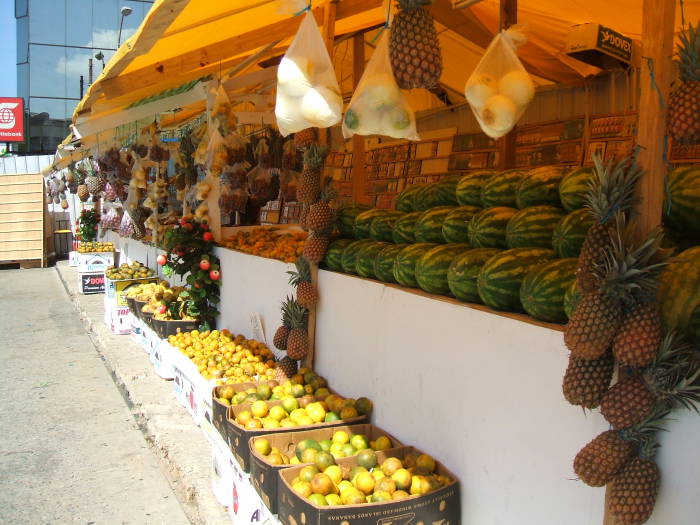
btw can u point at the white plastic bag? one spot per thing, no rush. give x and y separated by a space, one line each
378 107
500 89
308 94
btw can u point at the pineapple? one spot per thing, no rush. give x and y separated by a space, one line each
315 247
684 104
298 339
640 335
307 295
321 215
304 138
598 462
94 184
286 369
309 186
280 337
668 380
611 193
414 47
633 490
81 188
586 380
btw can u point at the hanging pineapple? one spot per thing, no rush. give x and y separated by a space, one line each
320 216
298 338
282 333
304 138
414 48
81 189
684 104
315 247
286 369
310 181
307 294
587 380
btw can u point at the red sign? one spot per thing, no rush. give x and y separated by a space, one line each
11 119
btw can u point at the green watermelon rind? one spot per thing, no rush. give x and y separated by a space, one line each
405 263
682 205
364 264
679 290
429 224
455 227
404 228
334 254
501 189
571 299
404 201
540 186
382 227
363 222
573 188
345 218
570 233
427 197
464 271
432 267
544 287
468 191
532 227
447 190
384 262
502 275
487 229
349 258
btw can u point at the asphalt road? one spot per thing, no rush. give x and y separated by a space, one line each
70 450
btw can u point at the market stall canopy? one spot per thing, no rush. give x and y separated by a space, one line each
183 40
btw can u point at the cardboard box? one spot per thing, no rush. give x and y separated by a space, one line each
73 258
117 289
246 506
219 412
148 336
238 436
162 358
222 472
95 261
265 477
442 506
90 283
117 319
191 390
599 46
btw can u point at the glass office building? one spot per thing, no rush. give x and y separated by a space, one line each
57 41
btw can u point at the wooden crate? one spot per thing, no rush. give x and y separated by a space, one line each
22 216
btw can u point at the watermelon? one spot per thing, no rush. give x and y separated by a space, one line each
405 263
487 229
468 191
349 258
382 226
334 254
679 290
366 255
533 227
345 218
682 207
455 227
384 262
427 197
404 200
540 186
431 268
464 271
501 276
405 227
429 224
574 186
570 232
447 190
363 221
501 189
543 289
571 299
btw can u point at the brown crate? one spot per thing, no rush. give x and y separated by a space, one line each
440 506
237 437
220 411
264 476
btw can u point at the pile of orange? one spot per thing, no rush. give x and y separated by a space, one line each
269 242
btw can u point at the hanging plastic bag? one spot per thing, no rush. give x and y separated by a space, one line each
308 94
290 7
217 155
378 107
500 89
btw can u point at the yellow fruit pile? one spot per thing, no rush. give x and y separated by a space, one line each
124 271
341 445
92 247
157 295
220 354
394 479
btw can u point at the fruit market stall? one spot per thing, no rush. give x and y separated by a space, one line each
433 270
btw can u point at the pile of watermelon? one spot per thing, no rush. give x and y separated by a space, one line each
508 239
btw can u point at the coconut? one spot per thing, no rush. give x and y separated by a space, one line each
517 86
499 114
380 91
322 107
294 77
479 89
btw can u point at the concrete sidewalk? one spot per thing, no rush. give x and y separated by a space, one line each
172 441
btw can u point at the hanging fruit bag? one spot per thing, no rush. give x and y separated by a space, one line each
378 107
308 94
500 89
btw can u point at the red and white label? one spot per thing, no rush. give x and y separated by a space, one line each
11 119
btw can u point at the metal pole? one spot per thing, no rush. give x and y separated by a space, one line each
82 86
89 71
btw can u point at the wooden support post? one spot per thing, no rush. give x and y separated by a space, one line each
508 15
329 16
358 141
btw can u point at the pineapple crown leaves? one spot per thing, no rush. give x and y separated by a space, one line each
612 189
298 315
643 435
328 192
688 53
315 156
414 4
286 306
302 273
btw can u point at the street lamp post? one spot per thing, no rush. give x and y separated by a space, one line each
125 11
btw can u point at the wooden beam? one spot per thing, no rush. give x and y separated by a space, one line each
358 141
205 57
657 74
508 16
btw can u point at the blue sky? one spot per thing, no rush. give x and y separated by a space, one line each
8 52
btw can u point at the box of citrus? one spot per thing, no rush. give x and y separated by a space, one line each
273 452
116 290
404 487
